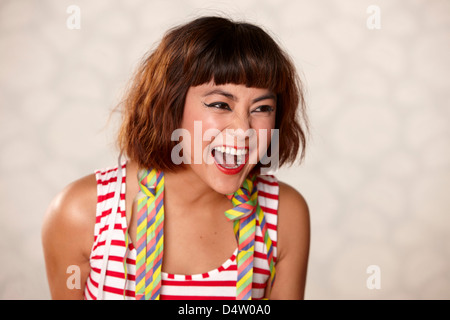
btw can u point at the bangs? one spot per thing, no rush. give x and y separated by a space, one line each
239 54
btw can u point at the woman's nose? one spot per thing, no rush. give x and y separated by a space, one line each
241 122
240 130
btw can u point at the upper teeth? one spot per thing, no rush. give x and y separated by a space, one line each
232 151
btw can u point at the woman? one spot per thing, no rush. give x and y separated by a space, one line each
185 217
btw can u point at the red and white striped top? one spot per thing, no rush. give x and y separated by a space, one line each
217 284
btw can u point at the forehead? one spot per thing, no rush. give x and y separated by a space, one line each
231 91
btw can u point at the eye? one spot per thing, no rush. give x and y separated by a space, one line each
264 108
218 105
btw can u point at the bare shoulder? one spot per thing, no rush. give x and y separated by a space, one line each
293 239
292 206
68 235
293 223
72 213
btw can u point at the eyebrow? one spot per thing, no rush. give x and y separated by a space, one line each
234 98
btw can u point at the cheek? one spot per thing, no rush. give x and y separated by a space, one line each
202 128
263 129
196 115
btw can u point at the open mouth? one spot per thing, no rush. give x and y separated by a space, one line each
230 160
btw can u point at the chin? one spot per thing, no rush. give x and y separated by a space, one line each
227 183
227 187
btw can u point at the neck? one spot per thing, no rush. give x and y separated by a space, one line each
189 191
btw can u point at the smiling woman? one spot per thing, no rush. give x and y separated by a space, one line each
213 229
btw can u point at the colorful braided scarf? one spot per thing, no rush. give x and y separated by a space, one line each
149 206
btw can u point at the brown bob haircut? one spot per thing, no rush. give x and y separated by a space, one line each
205 49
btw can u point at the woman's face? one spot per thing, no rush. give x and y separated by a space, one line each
230 130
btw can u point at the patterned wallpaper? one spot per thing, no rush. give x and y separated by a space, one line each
377 171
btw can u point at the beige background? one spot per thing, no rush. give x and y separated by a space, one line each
377 172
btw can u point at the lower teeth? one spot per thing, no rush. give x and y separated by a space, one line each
233 162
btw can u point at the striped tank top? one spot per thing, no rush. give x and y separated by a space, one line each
112 255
